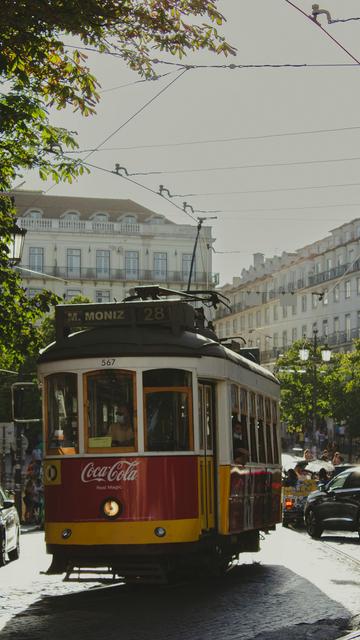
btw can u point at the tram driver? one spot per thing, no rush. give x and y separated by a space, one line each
121 430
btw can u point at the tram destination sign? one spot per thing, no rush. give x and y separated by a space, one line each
174 314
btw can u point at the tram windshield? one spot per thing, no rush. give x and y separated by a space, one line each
111 414
62 411
168 410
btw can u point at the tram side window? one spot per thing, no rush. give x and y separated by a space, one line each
206 418
168 410
111 415
62 411
260 427
275 431
239 424
270 457
252 409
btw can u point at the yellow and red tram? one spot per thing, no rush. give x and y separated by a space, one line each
162 446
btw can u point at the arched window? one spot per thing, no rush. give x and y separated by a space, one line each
33 214
100 216
129 220
70 215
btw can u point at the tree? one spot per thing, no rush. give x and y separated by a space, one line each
19 335
38 70
344 390
304 389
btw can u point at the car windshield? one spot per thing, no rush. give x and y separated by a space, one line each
339 480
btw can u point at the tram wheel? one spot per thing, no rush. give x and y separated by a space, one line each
312 527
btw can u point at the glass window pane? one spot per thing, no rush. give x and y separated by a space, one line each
167 422
73 262
205 417
254 453
111 415
36 258
160 266
166 378
131 265
62 411
102 263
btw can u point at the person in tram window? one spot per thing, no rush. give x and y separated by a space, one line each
240 450
121 430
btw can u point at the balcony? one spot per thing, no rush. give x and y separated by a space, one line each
149 229
121 275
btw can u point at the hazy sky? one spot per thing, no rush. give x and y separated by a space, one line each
273 212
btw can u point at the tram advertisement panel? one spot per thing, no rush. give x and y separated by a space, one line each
148 488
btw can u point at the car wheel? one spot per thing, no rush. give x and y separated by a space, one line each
312 527
15 553
3 554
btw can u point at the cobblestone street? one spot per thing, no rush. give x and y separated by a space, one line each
295 586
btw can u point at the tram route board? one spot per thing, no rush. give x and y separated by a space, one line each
176 315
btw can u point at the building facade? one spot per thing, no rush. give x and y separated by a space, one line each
101 247
281 299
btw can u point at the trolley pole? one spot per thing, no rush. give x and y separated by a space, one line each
200 223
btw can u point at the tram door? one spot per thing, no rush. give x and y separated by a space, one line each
206 459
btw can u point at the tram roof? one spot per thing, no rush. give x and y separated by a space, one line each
155 328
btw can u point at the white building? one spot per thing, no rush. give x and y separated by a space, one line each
102 247
281 299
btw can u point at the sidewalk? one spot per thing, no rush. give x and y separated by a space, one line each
28 528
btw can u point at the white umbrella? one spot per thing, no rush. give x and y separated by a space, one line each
314 466
289 462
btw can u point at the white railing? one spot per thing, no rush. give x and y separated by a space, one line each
91 226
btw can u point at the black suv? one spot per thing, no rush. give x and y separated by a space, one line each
336 505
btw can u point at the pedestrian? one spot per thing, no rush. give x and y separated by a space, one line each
308 455
337 458
31 500
325 455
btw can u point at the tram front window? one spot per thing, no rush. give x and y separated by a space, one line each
110 409
168 410
62 411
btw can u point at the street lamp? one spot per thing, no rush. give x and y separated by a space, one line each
16 244
307 354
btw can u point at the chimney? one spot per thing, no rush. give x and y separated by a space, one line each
258 260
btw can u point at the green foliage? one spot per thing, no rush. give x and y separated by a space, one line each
304 388
337 388
19 335
38 70
344 384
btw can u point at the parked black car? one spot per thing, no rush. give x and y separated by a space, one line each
336 505
9 529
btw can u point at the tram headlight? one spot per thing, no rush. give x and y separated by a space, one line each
111 508
160 532
66 533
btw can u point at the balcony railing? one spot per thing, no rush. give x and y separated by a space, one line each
109 228
333 340
115 275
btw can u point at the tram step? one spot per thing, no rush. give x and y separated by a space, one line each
132 573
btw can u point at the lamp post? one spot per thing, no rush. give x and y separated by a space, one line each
16 244
311 355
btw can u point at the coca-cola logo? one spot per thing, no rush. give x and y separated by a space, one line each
124 470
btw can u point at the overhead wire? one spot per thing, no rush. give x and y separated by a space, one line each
142 186
295 163
144 106
222 140
315 22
